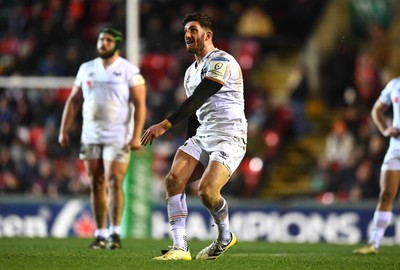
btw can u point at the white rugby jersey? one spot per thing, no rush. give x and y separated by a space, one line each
390 95
222 113
107 113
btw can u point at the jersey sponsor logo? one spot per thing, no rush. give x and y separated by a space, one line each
220 58
117 73
217 69
218 66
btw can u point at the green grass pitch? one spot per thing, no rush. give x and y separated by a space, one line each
72 253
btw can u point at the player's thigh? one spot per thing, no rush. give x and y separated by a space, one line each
94 169
116 161
389 181
184 167
91 154
214 177
115 170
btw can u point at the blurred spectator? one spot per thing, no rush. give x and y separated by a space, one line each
255 23
6 163
9 183
299 94
335 161
367 80
337 73
364 185
353 119
44 184
338 147
28 171
72 59
51 65
6 111
23 116
155 36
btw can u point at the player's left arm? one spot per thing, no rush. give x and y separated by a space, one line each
138 98
378 116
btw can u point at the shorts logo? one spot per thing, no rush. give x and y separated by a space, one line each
223 155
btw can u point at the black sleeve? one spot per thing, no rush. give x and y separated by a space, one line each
192 125
203 91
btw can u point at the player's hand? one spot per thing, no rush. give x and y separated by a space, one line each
63 139
135 144
152 133
391 132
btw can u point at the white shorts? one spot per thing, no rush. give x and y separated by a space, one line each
106 152
226 150
392 160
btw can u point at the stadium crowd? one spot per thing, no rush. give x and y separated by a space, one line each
53 37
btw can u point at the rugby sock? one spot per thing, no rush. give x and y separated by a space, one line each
101 232
221 218
115 230
177 215
380 222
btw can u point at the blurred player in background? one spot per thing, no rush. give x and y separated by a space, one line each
390 170
217 136
112 94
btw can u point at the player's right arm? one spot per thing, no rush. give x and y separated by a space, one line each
203 91
72 106
378 116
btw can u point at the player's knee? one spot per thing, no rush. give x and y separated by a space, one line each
115 182
173 184
97 184
206 194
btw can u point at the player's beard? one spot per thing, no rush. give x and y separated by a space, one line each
106 55
199 46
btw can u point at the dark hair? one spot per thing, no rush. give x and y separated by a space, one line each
205 20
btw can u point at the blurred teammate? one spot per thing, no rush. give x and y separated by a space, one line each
112 94
217 135
390 170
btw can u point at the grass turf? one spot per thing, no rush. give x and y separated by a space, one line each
72 253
